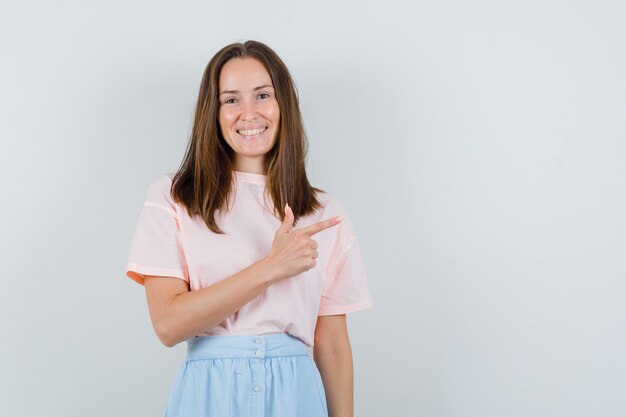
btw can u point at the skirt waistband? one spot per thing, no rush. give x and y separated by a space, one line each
245 346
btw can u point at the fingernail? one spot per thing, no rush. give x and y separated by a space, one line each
339 218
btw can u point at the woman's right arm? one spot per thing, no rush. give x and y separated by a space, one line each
178 314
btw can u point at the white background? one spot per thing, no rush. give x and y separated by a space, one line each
478 146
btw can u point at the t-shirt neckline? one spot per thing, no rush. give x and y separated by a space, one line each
250 177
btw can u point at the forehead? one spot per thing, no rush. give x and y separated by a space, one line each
243 74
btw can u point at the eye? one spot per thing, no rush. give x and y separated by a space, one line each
228 100
264 94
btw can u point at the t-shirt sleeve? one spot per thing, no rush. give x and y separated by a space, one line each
156 247
345 287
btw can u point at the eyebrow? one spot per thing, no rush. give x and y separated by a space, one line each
255 89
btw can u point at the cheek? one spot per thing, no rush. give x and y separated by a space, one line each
225 117
273 112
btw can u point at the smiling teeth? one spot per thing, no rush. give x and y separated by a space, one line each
252 132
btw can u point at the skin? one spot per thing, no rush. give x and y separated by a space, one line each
248 109
178 314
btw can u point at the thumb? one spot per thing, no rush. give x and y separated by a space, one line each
287 223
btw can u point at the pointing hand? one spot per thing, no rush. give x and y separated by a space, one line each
293 251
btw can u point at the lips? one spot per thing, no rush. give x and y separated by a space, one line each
252 132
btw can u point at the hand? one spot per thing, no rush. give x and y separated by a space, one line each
293 251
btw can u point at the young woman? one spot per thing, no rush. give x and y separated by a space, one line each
225 268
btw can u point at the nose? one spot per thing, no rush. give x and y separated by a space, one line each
248 110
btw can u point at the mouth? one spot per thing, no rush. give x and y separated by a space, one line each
252 133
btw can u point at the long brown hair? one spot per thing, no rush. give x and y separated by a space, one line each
203 182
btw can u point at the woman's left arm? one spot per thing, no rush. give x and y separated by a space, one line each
333 357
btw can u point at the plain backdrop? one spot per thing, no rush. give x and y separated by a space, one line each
479 147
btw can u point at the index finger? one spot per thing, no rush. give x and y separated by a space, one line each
319 226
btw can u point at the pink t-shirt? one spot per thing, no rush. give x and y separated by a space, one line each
167 242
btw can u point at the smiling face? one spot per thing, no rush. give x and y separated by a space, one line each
249 113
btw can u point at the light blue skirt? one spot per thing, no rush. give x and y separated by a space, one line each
270 375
